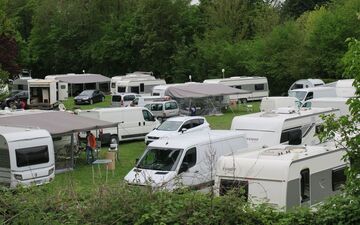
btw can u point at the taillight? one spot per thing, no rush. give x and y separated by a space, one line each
51 171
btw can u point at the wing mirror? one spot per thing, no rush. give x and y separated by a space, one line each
184 167
183 130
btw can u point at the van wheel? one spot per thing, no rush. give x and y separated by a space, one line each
91 101
114 140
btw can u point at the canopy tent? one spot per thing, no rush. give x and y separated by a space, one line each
59 124
207 98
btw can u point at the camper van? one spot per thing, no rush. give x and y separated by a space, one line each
134 122
344 88
309 93
283 176
265 129
306 83
27 157
184 161
272 103
137 82
258 87
336 102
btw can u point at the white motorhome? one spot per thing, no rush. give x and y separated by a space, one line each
309 93
159 90
272 103
137 82
186 160
336 102
26 157
265 129
258 87
45 94
283 176
134 122
344 88
306 83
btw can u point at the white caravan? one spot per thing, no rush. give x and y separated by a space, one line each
160 90
306 83
266 129
134 122
137 82
283 176
186 160
336 102
26 157
258 87
272 103
344 88
309 93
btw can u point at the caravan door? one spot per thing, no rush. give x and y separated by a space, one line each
63 91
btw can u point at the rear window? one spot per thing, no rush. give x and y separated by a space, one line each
129 97
116 98
32 156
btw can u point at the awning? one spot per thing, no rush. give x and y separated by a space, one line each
58 123
201 90
83 78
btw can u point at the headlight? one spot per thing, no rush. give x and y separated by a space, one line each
18 176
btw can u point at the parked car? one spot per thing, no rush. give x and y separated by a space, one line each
163 109
177 125
11 101
90 97
123 99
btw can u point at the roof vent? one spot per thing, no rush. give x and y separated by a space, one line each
296 149
285 110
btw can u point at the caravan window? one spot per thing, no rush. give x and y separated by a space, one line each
121 89
305 185
286 134
142 87
259 87
4 158
338 178
129 97
32 156
239 187
116 98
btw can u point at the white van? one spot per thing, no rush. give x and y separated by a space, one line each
309 93
258 87
123 99
143 100
134 122
265 129
26 157
306 83
283 176
163 109
272 103
335 102
185 160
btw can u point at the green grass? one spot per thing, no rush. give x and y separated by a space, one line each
70 104
81 178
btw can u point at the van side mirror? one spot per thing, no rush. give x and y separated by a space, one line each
184 167
295 137
183 130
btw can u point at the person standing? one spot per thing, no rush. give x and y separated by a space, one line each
90 146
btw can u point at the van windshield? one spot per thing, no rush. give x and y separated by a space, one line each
170 125
160 159
298 94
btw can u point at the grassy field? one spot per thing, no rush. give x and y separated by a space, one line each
81 179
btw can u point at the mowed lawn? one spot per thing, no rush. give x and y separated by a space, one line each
81 178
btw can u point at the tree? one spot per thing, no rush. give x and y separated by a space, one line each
294 8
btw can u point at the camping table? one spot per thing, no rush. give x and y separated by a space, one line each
99 162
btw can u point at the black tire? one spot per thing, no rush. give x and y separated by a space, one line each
91 101
114 139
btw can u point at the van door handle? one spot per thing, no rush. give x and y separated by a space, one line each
139 123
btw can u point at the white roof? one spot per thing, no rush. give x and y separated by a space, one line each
231 79
329 99
271 163
20 133
185 118
313 89
114 109
41 81
272 121
191 139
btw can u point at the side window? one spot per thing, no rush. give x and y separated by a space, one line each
285 135
134 90
187 125
129 97
167 106
195 123
259 87
142 87
173 105
190 157
238 87
148 116
201 121
305 185
310 95
338 178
